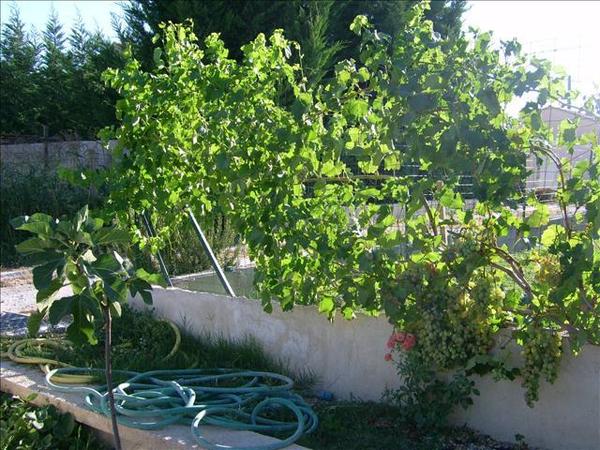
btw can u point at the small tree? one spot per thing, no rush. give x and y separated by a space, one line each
80 253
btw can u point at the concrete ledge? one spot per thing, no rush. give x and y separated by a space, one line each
24 380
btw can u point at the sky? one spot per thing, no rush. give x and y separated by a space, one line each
95 14
566 32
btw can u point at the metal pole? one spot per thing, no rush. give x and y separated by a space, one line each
161 261
210 254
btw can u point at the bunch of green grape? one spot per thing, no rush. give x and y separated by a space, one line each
485 288
449 340
542 352
453 327
461 252
549 269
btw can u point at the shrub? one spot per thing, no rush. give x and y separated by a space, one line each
30 189
29 427
249 138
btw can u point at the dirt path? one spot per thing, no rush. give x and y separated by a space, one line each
17 293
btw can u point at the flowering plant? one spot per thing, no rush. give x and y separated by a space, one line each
400 339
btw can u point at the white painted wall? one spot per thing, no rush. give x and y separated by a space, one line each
348 358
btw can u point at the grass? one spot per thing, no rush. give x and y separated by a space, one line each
377 426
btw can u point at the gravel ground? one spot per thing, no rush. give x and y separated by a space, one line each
17 301
17 293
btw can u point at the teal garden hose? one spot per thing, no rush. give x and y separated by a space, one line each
232 399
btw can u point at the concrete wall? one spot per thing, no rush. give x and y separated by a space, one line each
85 154
348 359
343 354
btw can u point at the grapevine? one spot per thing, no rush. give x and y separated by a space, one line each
312 178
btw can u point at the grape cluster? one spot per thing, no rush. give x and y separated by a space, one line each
486 290
460 250
550 270
542 352
453 326
448 340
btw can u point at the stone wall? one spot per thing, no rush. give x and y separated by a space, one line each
51 155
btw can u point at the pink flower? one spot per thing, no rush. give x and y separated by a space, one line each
409 342
388 357
395 338
391 343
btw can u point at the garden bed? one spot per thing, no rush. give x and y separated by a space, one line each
344 354
343 424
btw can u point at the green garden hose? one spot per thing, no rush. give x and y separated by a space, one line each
233 399
177 341
15 353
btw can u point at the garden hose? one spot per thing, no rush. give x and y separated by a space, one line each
177 341
15 353
233 399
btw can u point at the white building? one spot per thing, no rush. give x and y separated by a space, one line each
544 177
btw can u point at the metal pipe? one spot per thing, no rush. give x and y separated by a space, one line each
161 261
211 255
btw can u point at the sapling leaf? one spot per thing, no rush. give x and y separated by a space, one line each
39 227
35 259
81 217
59 309
42 275
34 322
66 228
54 286
115 308
115 290
81 329
106 267
33 245
139 286
151 278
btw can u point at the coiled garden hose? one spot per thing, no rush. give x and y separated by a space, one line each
233 399
15 353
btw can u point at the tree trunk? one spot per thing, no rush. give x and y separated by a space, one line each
109 384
